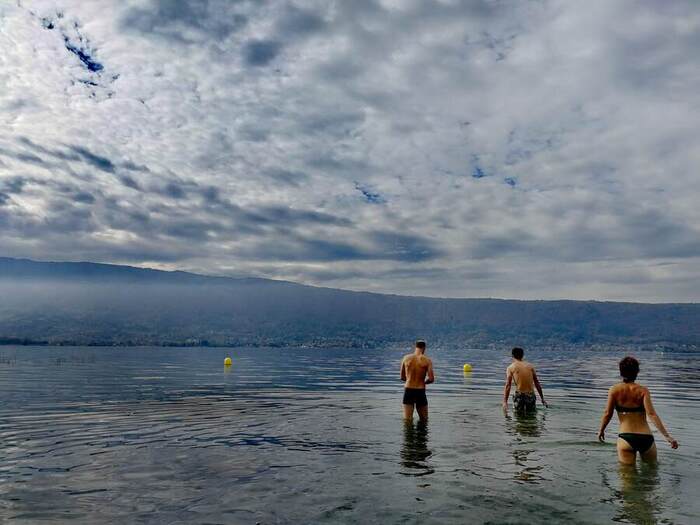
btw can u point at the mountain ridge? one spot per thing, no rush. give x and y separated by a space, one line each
196 276
96 303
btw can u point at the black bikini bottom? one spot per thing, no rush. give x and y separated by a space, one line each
639 442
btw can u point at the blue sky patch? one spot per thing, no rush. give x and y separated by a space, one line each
370 195
478 173
90 63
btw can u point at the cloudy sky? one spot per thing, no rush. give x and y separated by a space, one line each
482 148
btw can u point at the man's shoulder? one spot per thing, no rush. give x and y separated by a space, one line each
521 367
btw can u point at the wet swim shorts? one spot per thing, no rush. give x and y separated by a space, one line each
415 396
524 401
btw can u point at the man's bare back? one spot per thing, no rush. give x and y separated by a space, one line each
523 375
415 368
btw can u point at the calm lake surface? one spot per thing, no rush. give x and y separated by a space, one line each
167 435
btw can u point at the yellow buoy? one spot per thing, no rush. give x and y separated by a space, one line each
228 362
467 367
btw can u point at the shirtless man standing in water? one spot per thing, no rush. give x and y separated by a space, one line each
523 373
416 371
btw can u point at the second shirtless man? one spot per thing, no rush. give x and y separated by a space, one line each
416 371
523 373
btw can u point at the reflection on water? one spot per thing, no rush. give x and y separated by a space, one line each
638 497
467 378
526 425
415 452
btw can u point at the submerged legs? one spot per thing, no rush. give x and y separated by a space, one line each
408 412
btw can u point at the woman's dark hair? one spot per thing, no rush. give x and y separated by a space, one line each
629 368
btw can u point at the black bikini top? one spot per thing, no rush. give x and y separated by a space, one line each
625 410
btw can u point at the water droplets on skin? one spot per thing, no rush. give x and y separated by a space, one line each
114 435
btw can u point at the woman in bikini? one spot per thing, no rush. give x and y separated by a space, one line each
633 405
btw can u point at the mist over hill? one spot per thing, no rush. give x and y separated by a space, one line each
89 303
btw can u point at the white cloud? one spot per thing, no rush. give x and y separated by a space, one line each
510 149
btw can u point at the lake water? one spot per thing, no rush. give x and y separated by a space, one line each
166 435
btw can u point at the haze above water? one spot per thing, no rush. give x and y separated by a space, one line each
164 435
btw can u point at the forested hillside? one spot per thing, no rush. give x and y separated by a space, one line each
86 303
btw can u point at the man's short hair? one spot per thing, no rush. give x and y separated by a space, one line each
629 368
420 344
518 352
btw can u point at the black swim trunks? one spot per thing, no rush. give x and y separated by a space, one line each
415 396
524 401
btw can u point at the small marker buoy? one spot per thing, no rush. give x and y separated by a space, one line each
228 362
467 367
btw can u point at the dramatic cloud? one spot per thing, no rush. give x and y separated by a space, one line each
446 147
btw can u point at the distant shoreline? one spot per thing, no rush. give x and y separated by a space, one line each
665 347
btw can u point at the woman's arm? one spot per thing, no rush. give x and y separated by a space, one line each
607 415
651 414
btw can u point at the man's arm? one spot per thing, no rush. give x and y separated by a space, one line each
506 389
431 374
403 369
538 386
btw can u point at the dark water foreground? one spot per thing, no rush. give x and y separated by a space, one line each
155 435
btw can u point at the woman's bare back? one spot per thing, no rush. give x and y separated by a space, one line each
630 395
